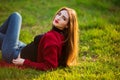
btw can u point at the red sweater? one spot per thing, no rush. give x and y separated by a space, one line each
49 52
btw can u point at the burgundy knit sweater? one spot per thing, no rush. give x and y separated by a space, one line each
48 53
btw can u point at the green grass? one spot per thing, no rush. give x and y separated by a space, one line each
99 24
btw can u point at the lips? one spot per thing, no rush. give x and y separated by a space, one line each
56 21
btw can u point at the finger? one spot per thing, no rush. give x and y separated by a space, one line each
14 61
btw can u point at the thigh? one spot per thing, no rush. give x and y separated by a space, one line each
10 45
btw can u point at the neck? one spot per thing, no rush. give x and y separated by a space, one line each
56 29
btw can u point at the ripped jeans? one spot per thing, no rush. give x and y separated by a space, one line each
9 37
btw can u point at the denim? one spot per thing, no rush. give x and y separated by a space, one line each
10 44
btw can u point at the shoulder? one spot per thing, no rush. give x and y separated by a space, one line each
53 37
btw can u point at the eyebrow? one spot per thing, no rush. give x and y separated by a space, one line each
63 15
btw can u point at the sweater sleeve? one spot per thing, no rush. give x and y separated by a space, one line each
50 56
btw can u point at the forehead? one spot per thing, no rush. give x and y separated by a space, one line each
65 13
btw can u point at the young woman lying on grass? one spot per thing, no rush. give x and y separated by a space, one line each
57 47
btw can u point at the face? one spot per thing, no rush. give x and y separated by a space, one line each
61 20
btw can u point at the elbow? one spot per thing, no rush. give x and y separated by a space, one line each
55 66
52 66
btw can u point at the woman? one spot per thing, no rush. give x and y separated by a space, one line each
57 47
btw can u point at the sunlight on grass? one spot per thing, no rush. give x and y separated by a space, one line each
99 25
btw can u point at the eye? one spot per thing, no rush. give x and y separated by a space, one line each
59 13
64 18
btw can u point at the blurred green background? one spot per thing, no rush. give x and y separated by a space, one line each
99 47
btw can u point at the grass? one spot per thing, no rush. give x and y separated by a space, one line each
99 24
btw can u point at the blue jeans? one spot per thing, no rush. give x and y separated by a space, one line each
9 37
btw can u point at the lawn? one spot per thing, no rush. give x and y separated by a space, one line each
99 47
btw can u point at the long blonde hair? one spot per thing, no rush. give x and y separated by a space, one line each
70 48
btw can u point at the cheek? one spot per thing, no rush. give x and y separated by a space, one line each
64 23
56 17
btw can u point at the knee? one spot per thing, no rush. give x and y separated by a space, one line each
16 15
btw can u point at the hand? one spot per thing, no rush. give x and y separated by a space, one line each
18 61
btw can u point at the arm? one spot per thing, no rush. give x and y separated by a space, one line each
49 55
49 62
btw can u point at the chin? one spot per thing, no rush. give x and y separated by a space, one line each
55 25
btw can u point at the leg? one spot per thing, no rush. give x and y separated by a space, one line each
3 30
11 45
4 27
2 38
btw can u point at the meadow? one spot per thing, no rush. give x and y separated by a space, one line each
99 37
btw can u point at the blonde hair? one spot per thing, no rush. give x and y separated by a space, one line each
70 48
